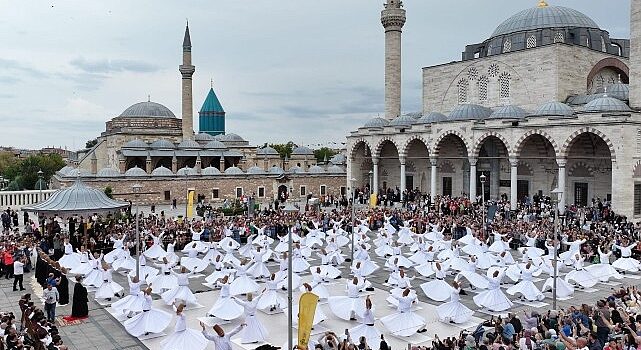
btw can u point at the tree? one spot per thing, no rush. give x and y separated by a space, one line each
91 143
25 172
284 150
109 192
324 152
7 159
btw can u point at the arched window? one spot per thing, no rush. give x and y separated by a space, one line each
507 46
482 85
472 73
493 70
531 42
603 45
504 85
463 86
559 38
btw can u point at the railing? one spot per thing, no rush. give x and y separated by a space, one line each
18 199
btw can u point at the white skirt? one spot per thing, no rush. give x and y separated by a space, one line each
127 263
627 264
259 269
271 299
163 282
437 290
82 269
93 278
130 303
297 281
344 306
403 324
493 299
226 309
70 261
193 264
299 265
155 252
182 293
453 311
603 272
254 332
582 278
186 339
152 321
527 289
371 334
108 290
243 285
319 315
110 257
563 288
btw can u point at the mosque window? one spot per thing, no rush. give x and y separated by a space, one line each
261 192
482 83
603 45
239 192
507 46
323 190
463 86
472 73
493 70
559 38
637 199
303 190
504 85
531 42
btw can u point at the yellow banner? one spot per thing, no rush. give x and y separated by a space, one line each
190 203
373 199
306 311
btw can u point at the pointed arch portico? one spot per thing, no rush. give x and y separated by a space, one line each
450 148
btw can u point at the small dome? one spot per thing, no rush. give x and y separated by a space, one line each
338 159
189 144
204 137
276 170
148 109
376 122
76 172
470 112
65 170
296 170
509 112
137 143
162 144
542 17
215 144
186 171
302 151
255 170
403 120
108 172
135 171
433 117
162 171
231 137
208 171
335 169
619 90
267 151
554 108
233 171
315 169
606 104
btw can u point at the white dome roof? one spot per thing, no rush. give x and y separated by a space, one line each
186 171
315 169
255 170
210 170
148 109
136 144
162 171
233 171
276 170
162 144
135 171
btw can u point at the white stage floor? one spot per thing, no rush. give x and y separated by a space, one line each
276 324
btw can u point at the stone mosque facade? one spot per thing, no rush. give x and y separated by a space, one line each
148 145
548 101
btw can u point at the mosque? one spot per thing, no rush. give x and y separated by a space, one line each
148 145
548 101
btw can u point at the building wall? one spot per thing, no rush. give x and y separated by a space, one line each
536 76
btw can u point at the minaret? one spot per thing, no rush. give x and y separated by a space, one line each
187 70
635 54
393 19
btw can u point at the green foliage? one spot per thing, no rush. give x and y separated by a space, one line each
7 160
324 152
24 173
91 143
109 192
284 149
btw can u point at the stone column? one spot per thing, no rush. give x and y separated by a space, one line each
393 19
635 53
375 175
222 164
148 168
174 164
561 183
403 179
433 162
514 200
198 165
473 179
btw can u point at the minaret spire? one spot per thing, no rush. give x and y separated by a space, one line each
187 71
393 19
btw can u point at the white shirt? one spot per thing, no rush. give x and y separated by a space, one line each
221 343
18 268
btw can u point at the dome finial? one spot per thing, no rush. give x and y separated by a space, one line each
619 79
148 98
542 4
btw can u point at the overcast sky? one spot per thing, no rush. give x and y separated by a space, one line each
302 70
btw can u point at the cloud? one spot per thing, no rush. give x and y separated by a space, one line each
13 66
106 66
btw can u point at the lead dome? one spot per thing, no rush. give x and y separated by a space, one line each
544 16
148 109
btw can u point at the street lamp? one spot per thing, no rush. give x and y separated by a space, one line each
559 195
483 178
40 176
371 178
136 189
353 182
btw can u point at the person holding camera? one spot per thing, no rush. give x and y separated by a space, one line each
18 272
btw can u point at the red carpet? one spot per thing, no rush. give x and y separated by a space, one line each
70 320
